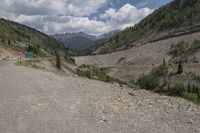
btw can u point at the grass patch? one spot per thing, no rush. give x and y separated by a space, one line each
191 97
30 63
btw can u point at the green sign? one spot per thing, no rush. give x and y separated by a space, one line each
29 54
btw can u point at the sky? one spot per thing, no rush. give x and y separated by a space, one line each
93 17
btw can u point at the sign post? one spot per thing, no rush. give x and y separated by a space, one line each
20 57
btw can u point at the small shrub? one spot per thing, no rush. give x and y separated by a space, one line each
160 71
180 68
177 90
148 82
152 80
93 72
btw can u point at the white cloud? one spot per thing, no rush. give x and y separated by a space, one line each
58 16
49 7
75 24
126 14
83 7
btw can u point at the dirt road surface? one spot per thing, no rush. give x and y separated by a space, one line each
33 101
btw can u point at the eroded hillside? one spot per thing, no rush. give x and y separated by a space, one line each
130 64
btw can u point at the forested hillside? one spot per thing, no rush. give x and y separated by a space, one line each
20 37
176 18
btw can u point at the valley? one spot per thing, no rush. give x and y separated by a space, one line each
82 42
111 67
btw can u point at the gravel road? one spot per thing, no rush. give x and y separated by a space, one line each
33 101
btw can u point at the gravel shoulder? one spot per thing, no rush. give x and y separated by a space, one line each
34 101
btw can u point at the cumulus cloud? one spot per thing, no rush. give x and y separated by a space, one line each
126 16
49 7
58 16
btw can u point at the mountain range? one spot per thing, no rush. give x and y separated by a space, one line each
81 41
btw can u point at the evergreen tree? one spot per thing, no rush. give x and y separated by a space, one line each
9 42
58 61
198 93
164 62
193 88
116 39
189 88
180 68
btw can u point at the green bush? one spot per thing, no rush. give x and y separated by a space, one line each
148 82
152 80
177 90
191 97
93 72
160 71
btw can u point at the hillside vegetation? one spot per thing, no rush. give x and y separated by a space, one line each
20 37
179 17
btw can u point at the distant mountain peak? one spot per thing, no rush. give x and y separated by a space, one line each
81 41
68 35
109 34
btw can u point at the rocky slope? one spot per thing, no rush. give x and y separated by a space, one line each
130 64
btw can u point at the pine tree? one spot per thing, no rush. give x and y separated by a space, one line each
58 61
9 42
180 68
193 88
164 62
189 88
197 91
116 39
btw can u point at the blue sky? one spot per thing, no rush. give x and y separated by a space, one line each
117 4
91 16
138 3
